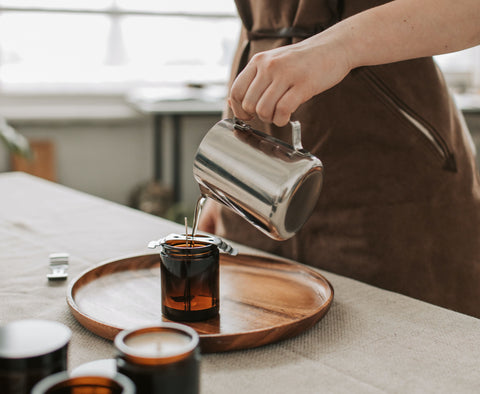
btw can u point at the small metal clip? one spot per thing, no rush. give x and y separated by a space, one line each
58 266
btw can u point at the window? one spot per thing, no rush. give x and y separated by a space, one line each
116 44
462 70
101 44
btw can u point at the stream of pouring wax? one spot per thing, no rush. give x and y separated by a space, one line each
196 215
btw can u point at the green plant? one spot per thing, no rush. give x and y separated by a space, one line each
14 141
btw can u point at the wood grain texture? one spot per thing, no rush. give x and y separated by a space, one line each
42 164
262 300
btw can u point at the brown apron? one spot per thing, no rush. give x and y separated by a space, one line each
400 205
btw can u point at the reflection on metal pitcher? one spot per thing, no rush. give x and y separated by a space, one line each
270 183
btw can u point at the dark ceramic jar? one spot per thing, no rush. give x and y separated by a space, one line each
29 351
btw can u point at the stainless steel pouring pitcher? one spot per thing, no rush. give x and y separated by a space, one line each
273 185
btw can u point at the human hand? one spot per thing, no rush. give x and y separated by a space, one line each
274 83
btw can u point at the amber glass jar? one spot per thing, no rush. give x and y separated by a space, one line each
190 280
62 383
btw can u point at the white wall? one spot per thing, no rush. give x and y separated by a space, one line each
105 158
109 158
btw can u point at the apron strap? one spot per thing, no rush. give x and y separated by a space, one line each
284 32
336 9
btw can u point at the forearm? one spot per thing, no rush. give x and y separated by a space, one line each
406 29
274 83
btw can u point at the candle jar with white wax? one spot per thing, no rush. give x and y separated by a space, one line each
160 359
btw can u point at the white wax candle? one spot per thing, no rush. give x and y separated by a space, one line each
32 338
158 343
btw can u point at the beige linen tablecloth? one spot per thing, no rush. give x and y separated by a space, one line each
371 340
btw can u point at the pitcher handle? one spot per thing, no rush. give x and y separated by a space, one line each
296 135
296 132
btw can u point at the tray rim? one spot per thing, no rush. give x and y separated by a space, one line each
205 338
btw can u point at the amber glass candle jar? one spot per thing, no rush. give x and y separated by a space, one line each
190 280
29 351
62 383
160 359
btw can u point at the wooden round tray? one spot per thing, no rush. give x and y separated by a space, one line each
262 300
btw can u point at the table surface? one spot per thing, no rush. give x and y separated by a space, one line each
181 100
370 341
